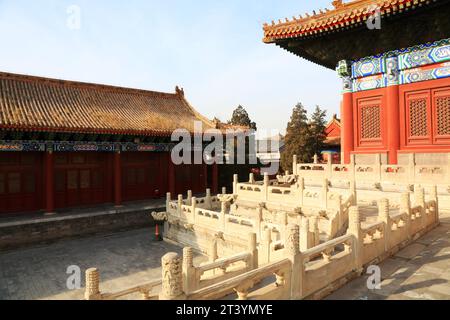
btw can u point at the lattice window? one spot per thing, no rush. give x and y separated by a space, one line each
370 122
418 117
443 116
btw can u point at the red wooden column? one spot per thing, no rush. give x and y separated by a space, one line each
117 179
172 181
393 109
215 178
347 121
49 183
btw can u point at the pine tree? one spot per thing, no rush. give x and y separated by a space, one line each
241 118
318 126
296 140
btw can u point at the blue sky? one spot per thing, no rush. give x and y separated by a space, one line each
213 49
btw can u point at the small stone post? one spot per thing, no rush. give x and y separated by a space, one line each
258 222
316 159
314 229
252 248
267 241
212 254
172 278
92 291
235 183
193 208
294 165
224 190
405 207
292 252
383 216
189 281
419 200
180 205
168 199
189 197
208 199
434 196
251 178
354 229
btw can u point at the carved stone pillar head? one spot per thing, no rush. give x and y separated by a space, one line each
292 241
172 277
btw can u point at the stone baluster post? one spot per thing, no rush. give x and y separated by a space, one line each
168 199
316 159
419 200
189 277
193 208
434 197
383 216
314 229
224 190
251 178
208 200
405 207
189 197
295 166
292 252
235 184
92 291
172 278
180 205
266 243
252 248
354 229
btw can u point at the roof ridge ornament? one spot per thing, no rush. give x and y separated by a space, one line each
337 4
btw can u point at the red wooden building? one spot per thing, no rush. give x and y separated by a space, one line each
333 141
394 59
69 144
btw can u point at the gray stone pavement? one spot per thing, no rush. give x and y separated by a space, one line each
124 260
419 271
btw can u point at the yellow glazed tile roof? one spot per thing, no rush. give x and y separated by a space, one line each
341 16
42 104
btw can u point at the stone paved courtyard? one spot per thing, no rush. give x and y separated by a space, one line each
420 271
124 260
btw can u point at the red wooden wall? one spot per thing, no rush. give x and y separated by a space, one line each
424 118
21 182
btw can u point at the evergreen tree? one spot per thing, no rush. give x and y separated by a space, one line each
318 126
296 139
241 118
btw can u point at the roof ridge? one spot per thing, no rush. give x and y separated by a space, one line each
87 85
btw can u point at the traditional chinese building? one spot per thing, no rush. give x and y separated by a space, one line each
394 59
333 141
69 144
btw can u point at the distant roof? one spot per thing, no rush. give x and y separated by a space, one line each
326 36
29 103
